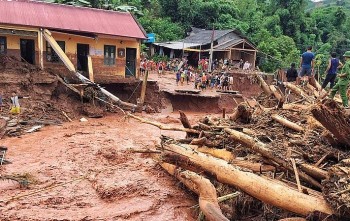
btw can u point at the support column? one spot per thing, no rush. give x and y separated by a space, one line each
41 48
254 59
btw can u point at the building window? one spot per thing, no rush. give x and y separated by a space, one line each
3 45
109 55
51 55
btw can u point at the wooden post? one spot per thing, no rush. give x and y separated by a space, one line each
91 70
143 90
41 49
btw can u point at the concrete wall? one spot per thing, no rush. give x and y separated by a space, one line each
102 73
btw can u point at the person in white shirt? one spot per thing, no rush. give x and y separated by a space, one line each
246 65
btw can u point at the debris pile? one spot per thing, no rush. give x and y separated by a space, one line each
46 102
286 160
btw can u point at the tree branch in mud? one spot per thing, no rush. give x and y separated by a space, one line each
208 200
267 190
161 126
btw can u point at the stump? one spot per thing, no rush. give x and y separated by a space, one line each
333 118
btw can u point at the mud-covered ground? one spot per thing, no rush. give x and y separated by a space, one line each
119 184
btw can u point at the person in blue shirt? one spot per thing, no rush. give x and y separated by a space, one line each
331 72
307 63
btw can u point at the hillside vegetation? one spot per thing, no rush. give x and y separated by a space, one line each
281 29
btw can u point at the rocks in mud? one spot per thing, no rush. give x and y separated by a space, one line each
92 111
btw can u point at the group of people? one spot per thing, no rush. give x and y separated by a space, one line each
230 64
307 64
161 66
203 80
15 108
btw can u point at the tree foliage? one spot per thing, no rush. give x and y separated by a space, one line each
281 29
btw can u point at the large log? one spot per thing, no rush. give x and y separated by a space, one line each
263 149
281 99
313 171
314 91
264 86
332 117
229 157
265 189
287 123
208 200
243 113
186 123
298 91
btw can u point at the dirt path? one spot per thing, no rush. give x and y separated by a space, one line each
120 185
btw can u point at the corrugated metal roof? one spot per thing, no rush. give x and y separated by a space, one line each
70 18
229 44
204 36
177 45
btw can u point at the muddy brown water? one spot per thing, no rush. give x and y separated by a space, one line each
120 185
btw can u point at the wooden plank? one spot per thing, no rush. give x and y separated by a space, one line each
58 50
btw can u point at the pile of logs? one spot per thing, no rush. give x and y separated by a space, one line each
293 160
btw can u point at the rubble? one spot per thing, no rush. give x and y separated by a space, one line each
310 174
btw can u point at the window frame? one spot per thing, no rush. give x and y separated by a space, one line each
109 50
5 44
51 55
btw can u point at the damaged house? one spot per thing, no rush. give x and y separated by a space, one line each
227 44
104 45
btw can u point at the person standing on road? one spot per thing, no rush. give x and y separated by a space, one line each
178 75
230 79
307 63
160 69
331 72
343 82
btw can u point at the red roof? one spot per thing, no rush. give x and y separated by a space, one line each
69 18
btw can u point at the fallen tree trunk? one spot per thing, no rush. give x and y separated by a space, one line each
264 189
263 149
208 200
243 113
265 87
230 158
281 99
161 126
330 115
186 124
287 123
298 91
314 91
313 171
